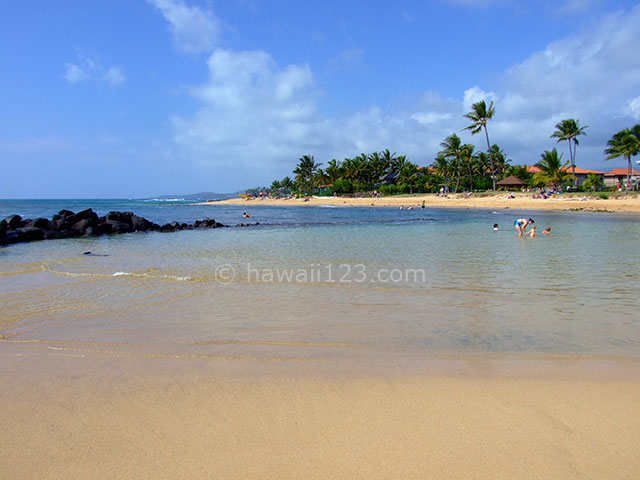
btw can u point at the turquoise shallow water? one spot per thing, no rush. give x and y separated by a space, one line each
320 282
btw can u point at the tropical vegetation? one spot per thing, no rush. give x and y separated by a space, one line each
625 143
552 170
479 115
457 166
569 130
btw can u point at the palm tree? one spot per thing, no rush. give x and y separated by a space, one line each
467 157
287 183
521 172
479 116
388 158
305 170
409 175
452 150
552 170
334 170
625 143
569 130
442 168
500 160
593 181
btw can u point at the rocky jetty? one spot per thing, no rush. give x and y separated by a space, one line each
87 223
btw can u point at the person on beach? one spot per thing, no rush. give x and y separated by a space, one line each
547 231
521 225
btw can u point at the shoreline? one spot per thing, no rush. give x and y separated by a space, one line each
587 203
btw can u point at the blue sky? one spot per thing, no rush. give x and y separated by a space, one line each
143 97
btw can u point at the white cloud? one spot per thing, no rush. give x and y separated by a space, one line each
194 30
347 60
113 76
634 107
476 94
573 6
75 73
86 69
259 117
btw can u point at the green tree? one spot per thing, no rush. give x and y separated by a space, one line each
334 170
442 168
594 181
569 130
521 172
452 151
500 160
304 172
479 115
552 170
287 183
625 143
468 158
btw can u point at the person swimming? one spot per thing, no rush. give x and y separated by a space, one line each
521 225
246 215
532 233
547 231
495 226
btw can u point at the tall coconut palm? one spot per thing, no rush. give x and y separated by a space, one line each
467 158
305 170
452 150
479 115
389 159
569 130
334 170
552 170
625 143
500 160
442 168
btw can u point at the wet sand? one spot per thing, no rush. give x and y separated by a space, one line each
630 203
107 418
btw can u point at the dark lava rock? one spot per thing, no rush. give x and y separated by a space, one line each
140 224
14 221
118 226
87 214
80 227
62 214
42 223
29 234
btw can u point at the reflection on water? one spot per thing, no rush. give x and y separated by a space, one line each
470 289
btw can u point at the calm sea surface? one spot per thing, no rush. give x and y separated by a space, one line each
314 283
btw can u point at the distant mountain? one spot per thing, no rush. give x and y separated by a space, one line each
196 196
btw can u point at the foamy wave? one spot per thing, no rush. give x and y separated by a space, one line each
131 274
116 274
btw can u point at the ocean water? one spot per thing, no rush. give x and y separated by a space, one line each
314 283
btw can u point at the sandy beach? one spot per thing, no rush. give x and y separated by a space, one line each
522 201
174 424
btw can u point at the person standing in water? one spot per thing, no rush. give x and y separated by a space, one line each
521 225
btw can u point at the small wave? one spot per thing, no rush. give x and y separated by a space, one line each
132 274
165 200
116 274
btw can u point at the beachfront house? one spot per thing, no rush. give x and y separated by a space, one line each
581 173
618 176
